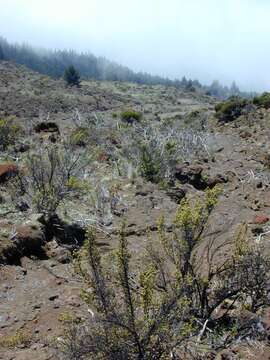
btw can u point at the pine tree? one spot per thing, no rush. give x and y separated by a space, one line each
72 76
184 81
2 57
234 89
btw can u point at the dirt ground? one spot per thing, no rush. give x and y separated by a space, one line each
37 292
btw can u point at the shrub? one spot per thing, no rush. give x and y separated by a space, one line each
79 136
263 100
130 116
155 149
72 76
149 165
169 306
20 338
230 109
9 132
52 173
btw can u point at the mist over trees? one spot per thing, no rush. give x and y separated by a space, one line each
54 63
1 53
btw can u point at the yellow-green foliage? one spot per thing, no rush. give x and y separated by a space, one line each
68 318
189 216
262 100
129 116
147 283
241 246
9 132
21 337
231 109
79 136
65 317
77 184
161 305
211 198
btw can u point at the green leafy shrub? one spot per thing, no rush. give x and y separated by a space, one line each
263 100
149 166
231 109
129 116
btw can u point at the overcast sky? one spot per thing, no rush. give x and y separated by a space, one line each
205 39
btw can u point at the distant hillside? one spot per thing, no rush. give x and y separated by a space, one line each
53 63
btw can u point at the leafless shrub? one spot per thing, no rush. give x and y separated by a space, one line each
253 179
96 129
51 174
155 149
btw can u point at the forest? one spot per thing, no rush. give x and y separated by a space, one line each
54 63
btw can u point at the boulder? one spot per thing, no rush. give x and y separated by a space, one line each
18 241
30 238
197 176
190 174
176 193
215 180
7 171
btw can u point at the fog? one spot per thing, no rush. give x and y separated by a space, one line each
204 39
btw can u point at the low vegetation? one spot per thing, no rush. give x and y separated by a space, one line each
173 290
154 149
79 136
175 304
19 339
231 109
52 174
262 100
9 132
129 116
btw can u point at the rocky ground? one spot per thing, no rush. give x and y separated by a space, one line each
38 285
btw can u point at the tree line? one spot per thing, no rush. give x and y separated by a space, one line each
55 62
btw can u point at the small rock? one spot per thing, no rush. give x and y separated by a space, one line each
245 134
261 219
21 148
74 301
37 306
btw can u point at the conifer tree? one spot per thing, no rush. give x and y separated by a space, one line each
72 76
2 57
